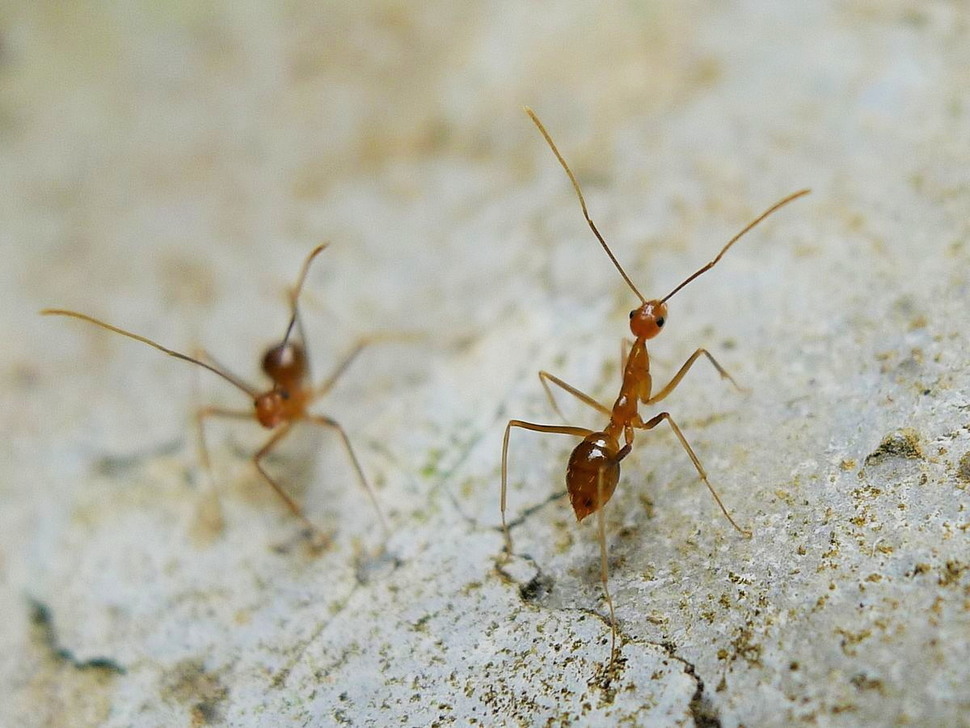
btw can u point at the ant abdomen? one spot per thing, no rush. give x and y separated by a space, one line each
285 363
269 409
592 473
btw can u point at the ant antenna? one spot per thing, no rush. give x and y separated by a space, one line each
298 287
582 201
239 384
732 241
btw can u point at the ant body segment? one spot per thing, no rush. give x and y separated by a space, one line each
593 470
278 408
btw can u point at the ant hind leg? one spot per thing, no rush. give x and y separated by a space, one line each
605 569
555 429
672 384
653 422
294 507
334 425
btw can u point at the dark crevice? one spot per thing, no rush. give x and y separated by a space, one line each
537 588
521 518
701 708
534 590
43 626
704 712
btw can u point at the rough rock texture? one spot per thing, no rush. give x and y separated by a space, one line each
168 166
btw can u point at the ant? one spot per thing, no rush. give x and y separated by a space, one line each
278 408
593 470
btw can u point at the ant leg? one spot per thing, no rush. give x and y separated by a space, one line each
361 344
545 377
200 416
213 517
604 565
653 422
683 370
328 383
334 425
291 504
557 429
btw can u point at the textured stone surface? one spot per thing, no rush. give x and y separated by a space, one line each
169 168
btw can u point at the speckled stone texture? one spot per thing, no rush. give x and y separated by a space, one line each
168 166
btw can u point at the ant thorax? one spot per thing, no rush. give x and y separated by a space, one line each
637 383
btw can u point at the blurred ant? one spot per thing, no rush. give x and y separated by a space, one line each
594 465
278 408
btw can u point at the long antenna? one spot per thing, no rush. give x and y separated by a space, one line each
732 241
298 287
178 355
582 201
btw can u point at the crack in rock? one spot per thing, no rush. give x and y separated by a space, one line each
43 624
701 708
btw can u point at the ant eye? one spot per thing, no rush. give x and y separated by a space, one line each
631 314
285 394
660 321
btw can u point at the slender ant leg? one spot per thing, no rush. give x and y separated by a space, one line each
327 384
265 450
672 384
555 429
334 425
653 422
545 377
605 568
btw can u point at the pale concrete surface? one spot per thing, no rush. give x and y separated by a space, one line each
168 167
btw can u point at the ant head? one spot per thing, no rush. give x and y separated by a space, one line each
646 321
285 363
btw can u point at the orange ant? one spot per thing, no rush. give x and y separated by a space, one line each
281 406
594 465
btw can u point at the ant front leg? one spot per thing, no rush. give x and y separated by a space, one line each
334 425
213 517
555 429
349 358
265 450
662 394
201 415
653 422
327 384
545 377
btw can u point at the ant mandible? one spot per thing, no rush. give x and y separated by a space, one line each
278 408
594 465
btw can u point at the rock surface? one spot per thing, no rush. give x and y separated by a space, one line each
168 168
